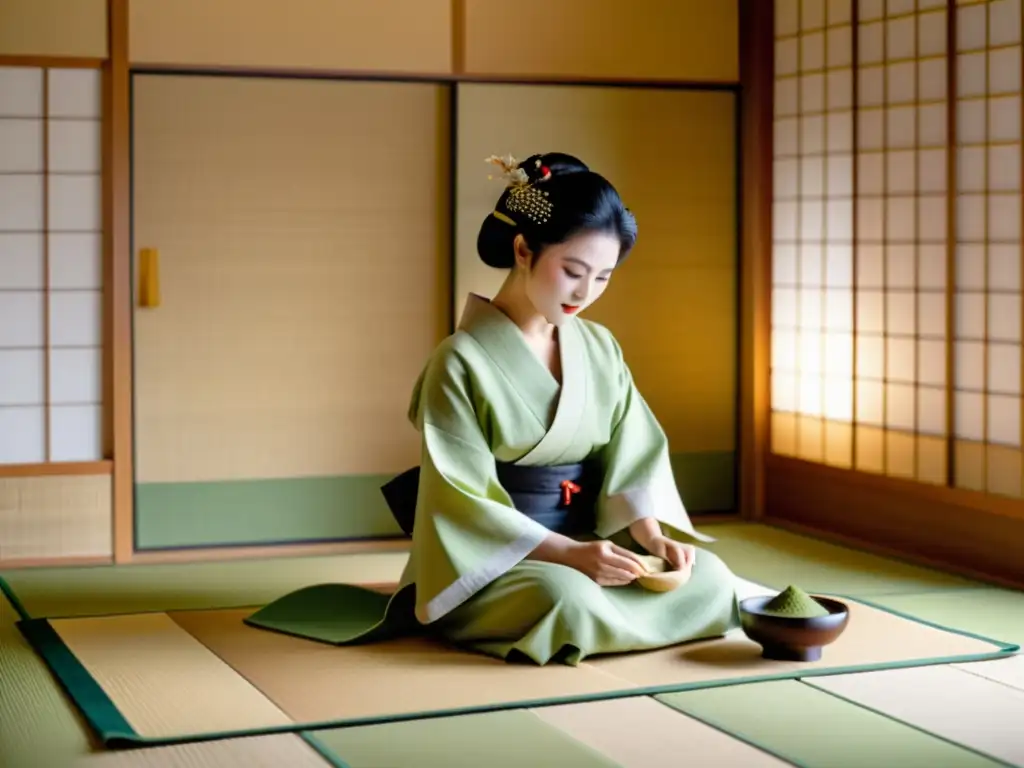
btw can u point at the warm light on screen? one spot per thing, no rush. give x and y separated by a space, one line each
859 286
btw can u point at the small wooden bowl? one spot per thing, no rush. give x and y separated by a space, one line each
790 639
661 577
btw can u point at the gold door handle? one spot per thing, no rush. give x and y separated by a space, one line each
149 277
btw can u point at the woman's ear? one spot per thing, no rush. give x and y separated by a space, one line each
523 253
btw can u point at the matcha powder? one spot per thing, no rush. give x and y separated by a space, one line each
794 603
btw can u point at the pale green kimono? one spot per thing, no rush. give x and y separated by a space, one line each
485 397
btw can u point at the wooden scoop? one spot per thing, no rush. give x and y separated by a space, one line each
661 577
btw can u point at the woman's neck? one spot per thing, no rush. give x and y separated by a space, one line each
513 301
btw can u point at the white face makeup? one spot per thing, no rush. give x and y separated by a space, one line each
570 276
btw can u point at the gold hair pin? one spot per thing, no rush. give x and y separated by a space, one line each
523 196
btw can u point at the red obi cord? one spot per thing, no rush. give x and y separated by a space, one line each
568 489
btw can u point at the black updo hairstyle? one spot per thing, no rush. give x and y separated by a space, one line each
563 198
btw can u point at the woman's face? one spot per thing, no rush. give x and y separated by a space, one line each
569 277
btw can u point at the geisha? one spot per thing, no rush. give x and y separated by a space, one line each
544 474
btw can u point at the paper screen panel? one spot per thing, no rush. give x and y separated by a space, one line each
901 244
813 277
55 517
859 278
988 317
51 309
671 154
302 233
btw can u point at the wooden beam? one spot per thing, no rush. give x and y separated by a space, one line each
57 469
757 73
198 554
51 562
48 62
961 531
458 36
117 287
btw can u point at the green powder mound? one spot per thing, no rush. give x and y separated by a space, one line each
794 603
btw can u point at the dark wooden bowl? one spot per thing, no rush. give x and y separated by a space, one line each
786 639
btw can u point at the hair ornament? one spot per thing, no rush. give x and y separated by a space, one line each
514 175
523 197
545 172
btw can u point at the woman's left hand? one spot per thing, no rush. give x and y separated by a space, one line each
647 533
677 554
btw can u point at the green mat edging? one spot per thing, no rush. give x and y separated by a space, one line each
92 701
326 752
907 724
734 734
7 591
116 732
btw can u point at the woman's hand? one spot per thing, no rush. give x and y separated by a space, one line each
677 554
647 533
608 564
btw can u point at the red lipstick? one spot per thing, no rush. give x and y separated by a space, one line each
569 309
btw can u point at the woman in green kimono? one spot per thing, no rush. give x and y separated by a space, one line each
543 471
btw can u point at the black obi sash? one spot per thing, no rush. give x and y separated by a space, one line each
562 498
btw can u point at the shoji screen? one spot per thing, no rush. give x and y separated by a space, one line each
50 266
918 293
812 297
900 398
988 247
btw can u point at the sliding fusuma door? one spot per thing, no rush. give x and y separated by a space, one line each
290 244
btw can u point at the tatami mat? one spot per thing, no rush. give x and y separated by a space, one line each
95 590
39 728
180 676
873 637
989 611
628 733
779 558
642 732
165 682
511 739
1006 671
966 709
766 555
812 728
319 683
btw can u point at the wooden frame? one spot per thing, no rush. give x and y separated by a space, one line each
751 409
757 72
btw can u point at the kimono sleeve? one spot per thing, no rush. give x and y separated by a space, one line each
638 479
467 531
